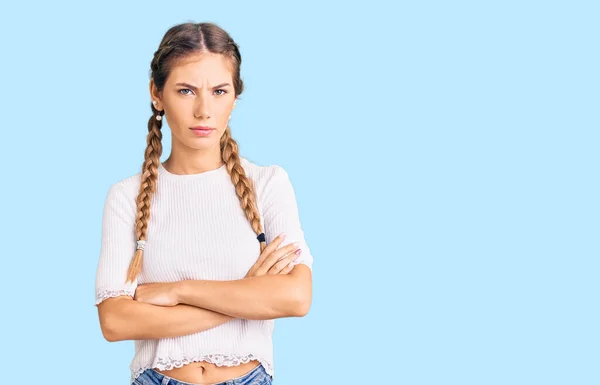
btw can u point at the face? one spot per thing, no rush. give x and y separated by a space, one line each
198 92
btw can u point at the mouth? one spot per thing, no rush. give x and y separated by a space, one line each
202 130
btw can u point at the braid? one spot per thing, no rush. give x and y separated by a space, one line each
244 186
178 42
147 188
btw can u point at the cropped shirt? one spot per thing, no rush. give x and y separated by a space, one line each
197 231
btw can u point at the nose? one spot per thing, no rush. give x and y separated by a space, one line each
202 107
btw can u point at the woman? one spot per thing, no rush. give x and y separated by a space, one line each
184 268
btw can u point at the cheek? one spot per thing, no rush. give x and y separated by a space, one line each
222 111
222 116
176 115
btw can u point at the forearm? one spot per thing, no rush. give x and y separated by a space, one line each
127 319
256 298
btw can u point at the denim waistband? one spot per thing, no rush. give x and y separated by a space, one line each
257 376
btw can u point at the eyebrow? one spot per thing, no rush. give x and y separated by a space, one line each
195 88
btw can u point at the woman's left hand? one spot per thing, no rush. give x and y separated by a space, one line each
160 294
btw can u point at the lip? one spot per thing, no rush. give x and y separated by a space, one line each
201 128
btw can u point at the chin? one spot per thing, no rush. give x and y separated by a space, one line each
202 144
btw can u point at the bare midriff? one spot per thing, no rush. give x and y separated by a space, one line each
204 373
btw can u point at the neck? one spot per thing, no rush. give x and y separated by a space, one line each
195 163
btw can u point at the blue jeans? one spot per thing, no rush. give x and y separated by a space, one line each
257 376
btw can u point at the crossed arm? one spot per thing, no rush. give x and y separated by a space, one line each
202 305
195 306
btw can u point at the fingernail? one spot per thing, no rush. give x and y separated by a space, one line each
298 251
282 235
296 244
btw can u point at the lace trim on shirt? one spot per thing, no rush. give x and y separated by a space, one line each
105 294
166 363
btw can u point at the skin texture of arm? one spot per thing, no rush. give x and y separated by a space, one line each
255 298
122 318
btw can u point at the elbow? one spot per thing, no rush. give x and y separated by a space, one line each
291 306
301 304
109 314
300 310
109 335
301 291
109 328
303 308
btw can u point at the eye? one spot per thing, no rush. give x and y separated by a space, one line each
224 92
184 89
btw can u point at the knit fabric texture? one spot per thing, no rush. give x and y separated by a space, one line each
197 231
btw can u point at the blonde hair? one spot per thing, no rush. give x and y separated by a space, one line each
179 41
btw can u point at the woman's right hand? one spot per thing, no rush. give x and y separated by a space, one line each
273 261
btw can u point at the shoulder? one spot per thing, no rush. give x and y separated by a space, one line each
124 191
272 184
264 176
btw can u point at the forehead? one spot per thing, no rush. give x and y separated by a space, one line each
201 68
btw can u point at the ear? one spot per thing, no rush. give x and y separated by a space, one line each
155 95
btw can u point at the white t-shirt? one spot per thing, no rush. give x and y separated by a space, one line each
197 230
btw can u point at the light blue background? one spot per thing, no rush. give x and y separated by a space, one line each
444 157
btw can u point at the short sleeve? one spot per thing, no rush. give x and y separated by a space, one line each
117 246
280 213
